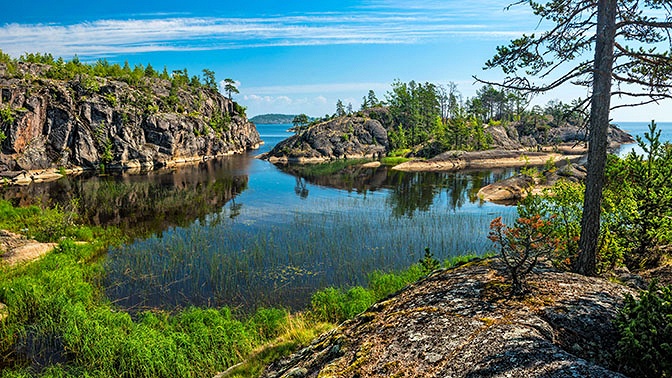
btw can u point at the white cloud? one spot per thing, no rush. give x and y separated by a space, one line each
110 37
319 88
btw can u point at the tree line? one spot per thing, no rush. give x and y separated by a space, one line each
60 69
429 113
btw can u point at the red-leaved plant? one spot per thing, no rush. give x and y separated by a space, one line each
521 246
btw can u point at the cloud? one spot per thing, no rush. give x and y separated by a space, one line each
319 88
401 25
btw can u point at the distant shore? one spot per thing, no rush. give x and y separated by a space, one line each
458 160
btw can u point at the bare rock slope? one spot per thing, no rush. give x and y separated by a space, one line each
458 323
87 121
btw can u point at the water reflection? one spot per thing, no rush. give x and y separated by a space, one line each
143 204
409 191
242 233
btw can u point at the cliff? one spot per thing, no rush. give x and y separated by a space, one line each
89 121
460 323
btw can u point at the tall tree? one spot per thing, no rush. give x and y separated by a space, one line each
230 87
626 38
300 121
340 108
209 79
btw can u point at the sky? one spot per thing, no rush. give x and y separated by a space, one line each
290 56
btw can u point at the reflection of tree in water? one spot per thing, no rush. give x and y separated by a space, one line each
234 208
410 191
416 191
301 187
143 204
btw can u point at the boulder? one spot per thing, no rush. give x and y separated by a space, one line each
348 137
508 190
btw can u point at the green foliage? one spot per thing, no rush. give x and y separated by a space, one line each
220 122
428 262
645 328
239 109
230 87
7 115
46 225
645 193
111 99
209 79
335 305
393 160
521 246
300 122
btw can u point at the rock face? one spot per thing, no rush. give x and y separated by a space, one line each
514 137
458 323
89 121
339 138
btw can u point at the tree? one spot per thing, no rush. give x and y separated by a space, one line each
340 108
372 99
230 87
605 27
209 79
300 121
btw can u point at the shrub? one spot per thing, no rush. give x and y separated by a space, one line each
645 327
7 115
521 246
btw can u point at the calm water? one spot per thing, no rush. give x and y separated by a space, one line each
639 128
286 235
244 233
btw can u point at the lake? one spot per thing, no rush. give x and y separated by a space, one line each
244 233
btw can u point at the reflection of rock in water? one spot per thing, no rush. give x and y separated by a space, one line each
145 203
409 191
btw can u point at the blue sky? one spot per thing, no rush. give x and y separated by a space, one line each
288 56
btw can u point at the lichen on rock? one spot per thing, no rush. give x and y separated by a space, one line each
460 323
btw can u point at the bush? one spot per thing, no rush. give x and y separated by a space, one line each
521 246
645 327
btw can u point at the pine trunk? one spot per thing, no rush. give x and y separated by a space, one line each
597 148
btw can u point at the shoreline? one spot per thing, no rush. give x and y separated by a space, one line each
490 159
27 177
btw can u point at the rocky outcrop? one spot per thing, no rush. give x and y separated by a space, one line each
511 189
460 323
88 121
340 138
458 160
516 136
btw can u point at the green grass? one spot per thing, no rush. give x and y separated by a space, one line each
61 324
325 169
47 225
393 160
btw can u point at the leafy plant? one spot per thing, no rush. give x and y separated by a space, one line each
521 246
645 328
428 262
7 115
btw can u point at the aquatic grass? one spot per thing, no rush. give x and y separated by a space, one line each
245 262
60 325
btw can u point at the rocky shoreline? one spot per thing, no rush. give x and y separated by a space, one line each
460 323
53 127
489 159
